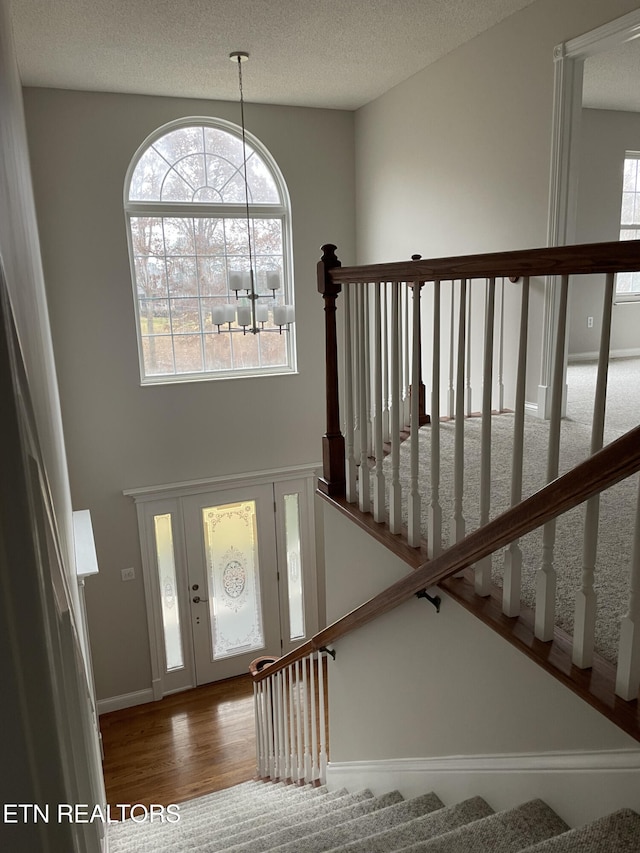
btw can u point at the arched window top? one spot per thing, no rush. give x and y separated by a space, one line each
192 239
196 163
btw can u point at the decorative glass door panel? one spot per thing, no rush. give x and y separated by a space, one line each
233 575
233 579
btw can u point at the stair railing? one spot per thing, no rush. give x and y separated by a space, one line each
285 688
291 718
458 317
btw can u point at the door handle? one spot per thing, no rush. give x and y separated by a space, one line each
197 600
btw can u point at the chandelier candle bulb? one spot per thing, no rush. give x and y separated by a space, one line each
262 313
236 280
280 315
247 281
244 315
273 280
218 315
290 313
229 313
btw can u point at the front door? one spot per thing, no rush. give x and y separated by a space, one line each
229 574
233 579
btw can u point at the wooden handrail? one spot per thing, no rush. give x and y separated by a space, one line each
613 463
623 256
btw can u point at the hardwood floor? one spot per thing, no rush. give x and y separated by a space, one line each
183 746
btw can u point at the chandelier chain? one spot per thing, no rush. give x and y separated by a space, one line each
246 187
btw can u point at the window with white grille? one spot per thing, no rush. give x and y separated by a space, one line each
189 224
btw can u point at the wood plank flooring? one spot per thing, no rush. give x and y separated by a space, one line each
183 746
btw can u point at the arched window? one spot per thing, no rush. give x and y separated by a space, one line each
188 225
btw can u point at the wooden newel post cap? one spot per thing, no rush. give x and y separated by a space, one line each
327 262
419 283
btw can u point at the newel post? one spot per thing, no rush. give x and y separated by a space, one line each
332 481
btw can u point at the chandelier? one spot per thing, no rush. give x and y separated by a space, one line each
251 314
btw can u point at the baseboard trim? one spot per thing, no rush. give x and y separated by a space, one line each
578 357
126 700
616 759
579 786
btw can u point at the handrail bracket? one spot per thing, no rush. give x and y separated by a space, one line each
331 652
434 599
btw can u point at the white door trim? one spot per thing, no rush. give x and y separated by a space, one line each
569 59
211 484
171 494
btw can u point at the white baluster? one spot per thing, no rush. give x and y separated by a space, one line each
628 673
414 533
368 372
286 742
293 760
284 753
500 405
355 319
483 567
434 516
584 630
314 721
546 576
386 426
348 399
379 513
299 722
323 719
469 392
451 395
364 500
305 717
265 728
275 681
512 580
258 724
397 413
459 525
406 357
271 759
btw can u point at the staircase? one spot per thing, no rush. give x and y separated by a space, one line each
256 817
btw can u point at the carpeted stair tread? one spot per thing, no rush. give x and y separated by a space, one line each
261 817
273 840
228 814
369 824
254 792
331 800
421 828
503 832
616 833
283 817
232 819
206 817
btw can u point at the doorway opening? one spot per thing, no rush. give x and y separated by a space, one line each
229 573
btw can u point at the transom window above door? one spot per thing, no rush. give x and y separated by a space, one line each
195 230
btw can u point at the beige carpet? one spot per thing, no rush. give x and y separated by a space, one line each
618 504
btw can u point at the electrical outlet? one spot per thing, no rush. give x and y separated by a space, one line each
589 322
128 574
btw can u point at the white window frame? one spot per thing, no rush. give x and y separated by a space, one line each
220 211
634 295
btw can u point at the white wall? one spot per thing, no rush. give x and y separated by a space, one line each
456 160
420 684
38 691
605 136
120 435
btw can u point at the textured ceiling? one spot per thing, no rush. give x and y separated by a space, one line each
321 53
612 79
